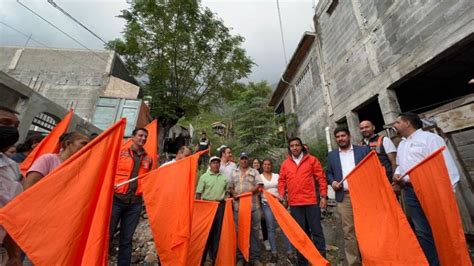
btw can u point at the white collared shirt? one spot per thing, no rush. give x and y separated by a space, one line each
227 168
417 147
297 159
347 163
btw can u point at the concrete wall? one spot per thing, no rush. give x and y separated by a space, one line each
311 112
120 89
367 46
29 104
70 78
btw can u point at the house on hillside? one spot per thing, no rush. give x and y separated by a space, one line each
36 112
375 59
86 81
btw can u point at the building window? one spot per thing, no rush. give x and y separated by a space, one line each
332 7
45 121
303 84
370 110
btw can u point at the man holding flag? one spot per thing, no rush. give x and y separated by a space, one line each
127 205
415 146
340 163
299 174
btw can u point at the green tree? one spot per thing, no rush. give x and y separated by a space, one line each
253 126
185 54
256 124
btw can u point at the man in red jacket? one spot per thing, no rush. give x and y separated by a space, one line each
297 184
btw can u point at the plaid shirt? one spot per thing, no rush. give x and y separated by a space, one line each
244 182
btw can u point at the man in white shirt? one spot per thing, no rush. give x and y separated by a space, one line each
182 153
415 146
340 163
227 165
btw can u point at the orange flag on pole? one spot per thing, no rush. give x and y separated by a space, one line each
244 224
203 216
382 230
293 231
169 198
50 144
227 251
151 145
431 183
64 218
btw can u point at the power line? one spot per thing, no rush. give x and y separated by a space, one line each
44 45
75 20
281 32
63 32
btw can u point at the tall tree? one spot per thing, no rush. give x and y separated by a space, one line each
256 124
185 54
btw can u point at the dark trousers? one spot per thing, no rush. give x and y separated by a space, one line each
128 216
263 225
421 226
212 243
254 252
309 216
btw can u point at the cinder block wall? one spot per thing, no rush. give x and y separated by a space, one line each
367 46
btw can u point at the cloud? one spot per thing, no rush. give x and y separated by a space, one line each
256 21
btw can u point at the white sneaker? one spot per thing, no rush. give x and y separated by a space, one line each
266 243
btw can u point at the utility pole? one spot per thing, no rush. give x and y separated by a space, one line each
281 33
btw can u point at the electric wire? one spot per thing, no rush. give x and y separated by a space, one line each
75 20
46 46
63 32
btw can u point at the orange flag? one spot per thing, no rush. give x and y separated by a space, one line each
203 216
64 218
226 254
50 144
151 145
382 230
169 198
293 231
244 224
433 189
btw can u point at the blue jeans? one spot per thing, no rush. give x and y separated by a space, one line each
128 216
271 226
254 253
421 226
309 217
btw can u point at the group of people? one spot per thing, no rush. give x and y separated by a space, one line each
12 180
301 185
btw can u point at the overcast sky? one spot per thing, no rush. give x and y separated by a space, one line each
255 20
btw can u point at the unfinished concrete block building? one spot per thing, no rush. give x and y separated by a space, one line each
375 59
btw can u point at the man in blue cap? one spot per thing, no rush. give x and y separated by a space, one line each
245 179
